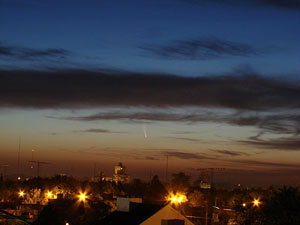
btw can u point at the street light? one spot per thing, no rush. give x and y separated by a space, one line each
82 197
21 194
177 199
256 202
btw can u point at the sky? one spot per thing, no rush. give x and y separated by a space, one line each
204 83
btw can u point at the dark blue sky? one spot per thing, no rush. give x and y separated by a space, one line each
177 37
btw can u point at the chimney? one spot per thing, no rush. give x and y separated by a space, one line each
127 204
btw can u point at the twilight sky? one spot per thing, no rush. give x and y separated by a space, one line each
208 83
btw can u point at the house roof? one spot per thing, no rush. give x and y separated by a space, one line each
134 217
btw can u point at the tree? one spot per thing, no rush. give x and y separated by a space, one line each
156 190
197 198
281 208
180 182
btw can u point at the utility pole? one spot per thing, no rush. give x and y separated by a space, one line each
4 171
167 168
19 153
211 194
31 166
38 166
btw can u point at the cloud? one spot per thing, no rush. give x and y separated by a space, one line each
200 49
184 139
266 164
185 155
82 89
24 53
284 143
285 122
99 131
230 153
54 133
278 123
150 158
283 4
256 137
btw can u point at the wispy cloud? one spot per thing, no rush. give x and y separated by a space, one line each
266 164
100 131
281 4
284 143
230 153
200 49
184 139
54 133
186 155
285 122
150 158
24 53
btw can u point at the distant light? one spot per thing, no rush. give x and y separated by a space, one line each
67 223
21 193
177 199
82 197
49 194
244 204
19 178
256 202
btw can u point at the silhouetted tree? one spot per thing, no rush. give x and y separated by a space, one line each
180 182
282 208
156 190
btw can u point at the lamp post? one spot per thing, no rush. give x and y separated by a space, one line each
256 202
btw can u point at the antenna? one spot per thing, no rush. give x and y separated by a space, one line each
38 166
4 171
211 195
31 166
19 153
95 165
167 168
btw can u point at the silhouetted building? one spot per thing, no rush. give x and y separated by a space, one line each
130 211
120 174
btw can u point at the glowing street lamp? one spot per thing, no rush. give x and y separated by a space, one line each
173 199
21 194
256 202
177 199
82 197
49 194
244 204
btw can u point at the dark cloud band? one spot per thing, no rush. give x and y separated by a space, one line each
281 4
25 53
80 89
200 49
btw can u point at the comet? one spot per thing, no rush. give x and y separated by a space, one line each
145 132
